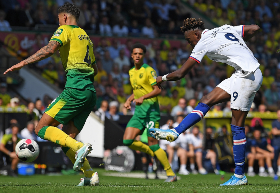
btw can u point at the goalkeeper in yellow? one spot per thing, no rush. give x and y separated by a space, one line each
147 114
72 107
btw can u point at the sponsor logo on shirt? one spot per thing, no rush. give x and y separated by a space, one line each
58 32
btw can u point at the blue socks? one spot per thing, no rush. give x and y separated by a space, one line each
195 116
239 146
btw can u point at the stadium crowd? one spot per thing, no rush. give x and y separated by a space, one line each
149 18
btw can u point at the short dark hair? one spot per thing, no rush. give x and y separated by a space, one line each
138 45
70 8
192 24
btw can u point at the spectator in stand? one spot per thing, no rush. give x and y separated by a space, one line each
262 108
163 9
103 47
251 157
7 146
26 16
101 112
211 85
185 151
113 111
174 98
104 28
257 124
267 78
137 10
95 12
170 61
12 123
104 7
180 109
162 70
152 48
107 62
182 51
223 19
92 25
117 16
227 109
134 29
148 30
115 74
115 87
263 9
271 45
276 142
128 47
191 106
125 75
3 93
122 59
85 15
164 102
121 96
266 25
120 29
41 19
103 84
101 72
114 49
272 97
181 90
4 24
30 113
209 149
50 73
28 131
38 108
170 30
189 94
263 152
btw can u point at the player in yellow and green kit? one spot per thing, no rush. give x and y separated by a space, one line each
147 114
72 107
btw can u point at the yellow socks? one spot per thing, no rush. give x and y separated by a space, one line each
138 145
161 155
86 169
58 136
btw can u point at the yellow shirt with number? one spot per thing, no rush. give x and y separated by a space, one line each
76 53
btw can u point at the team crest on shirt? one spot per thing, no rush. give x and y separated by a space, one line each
154 74
141 75
58 32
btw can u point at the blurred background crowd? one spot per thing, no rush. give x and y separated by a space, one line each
160 19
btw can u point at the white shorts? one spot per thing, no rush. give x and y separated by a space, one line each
242 89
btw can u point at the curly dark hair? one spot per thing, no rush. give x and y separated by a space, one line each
191 24
139 45
70 8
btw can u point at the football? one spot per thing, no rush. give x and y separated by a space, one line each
27 150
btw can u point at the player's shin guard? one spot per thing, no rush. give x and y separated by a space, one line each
195 116
239 145
138 145
86 169
161 156
59 137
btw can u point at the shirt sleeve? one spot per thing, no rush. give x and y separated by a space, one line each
5 139
61 35
253 143
152 76
199 52
239 29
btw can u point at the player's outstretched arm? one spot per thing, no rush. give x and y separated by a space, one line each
41 54
156 91
250 31
178 74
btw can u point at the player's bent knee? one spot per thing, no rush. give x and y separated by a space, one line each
127 142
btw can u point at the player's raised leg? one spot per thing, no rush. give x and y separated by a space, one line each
162 157
129 139
216 96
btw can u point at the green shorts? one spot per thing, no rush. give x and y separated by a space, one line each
72 105
144 123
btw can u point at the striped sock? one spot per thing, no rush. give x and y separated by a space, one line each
195 116
239 144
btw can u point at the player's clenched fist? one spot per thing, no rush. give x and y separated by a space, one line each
127 105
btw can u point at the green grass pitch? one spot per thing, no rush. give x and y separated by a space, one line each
190 183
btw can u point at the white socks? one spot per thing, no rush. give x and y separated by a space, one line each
250 169
192 167
270 170
261 169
